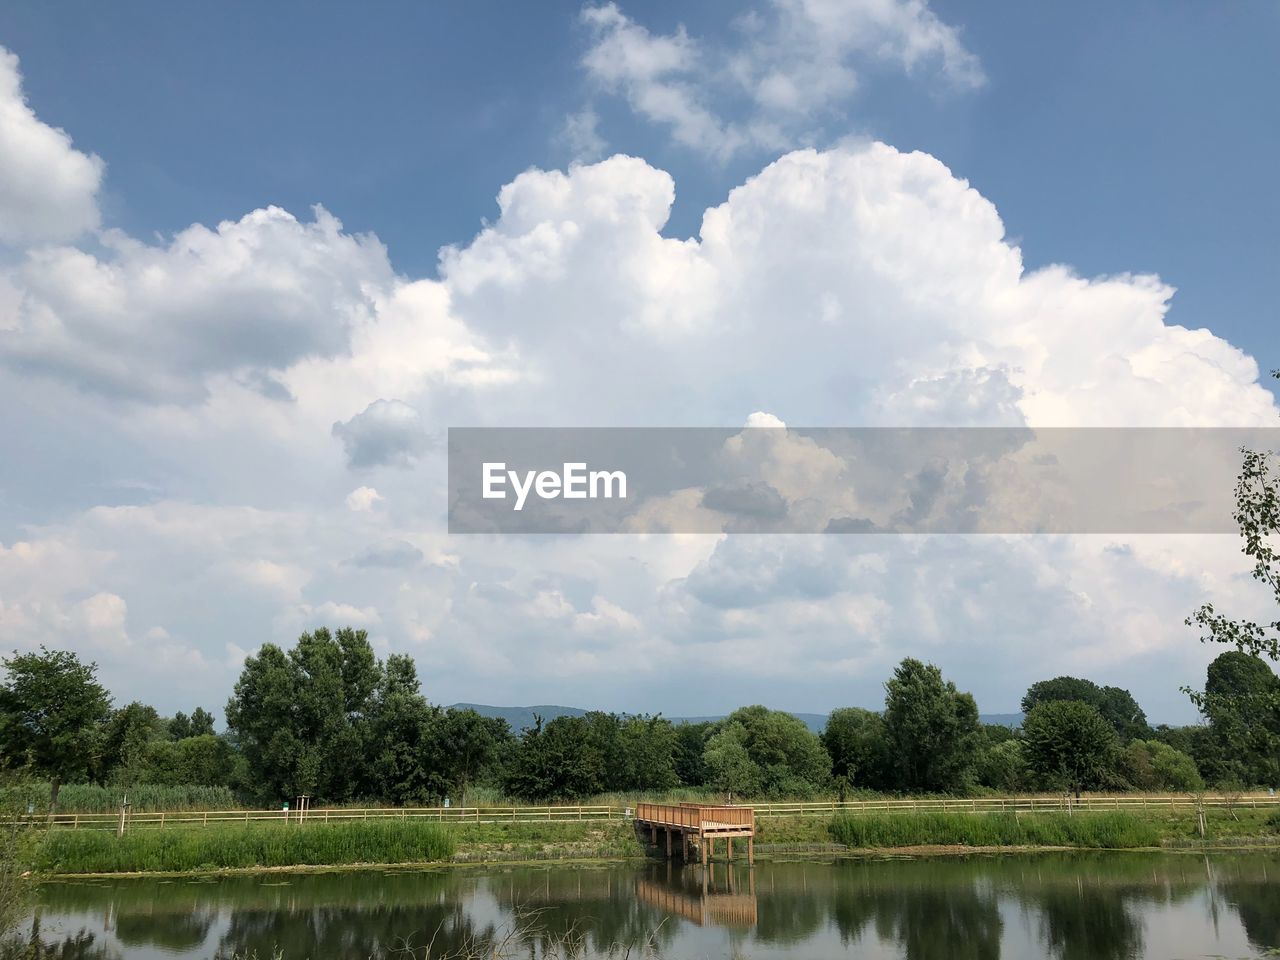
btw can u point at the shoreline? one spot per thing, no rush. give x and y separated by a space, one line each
914 852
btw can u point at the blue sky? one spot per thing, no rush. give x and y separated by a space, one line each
223 410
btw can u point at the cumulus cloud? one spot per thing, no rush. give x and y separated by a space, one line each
362 499
247 299
796 63
48 189
857 286
385 433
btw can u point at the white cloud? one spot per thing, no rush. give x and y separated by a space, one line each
796 64
48 189
853 286
385 433
362 499
246 300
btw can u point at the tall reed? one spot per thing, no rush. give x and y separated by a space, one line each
1110 830
244 846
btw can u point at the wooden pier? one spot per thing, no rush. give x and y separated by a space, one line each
699 823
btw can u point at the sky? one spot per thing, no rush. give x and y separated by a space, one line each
255 261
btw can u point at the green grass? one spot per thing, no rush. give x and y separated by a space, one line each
92 798
1110 830
237 846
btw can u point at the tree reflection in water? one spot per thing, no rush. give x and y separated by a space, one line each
1073 907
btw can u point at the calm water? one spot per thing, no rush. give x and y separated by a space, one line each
1086 906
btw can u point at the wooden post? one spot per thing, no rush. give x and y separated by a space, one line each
728 849
668 843
702 846
751 850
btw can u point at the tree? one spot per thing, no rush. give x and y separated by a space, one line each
1003 766
646 748
469 746
557 759
403 741
687 752
51 707
1241 701
1257 514
786 757
1116 705
932 728
1152 765
301 718
728 763
128 733
1069 745
858 743
199 724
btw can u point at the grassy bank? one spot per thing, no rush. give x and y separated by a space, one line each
244 846
241 846
1109 830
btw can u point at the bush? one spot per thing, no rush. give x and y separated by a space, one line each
255 845
1111 830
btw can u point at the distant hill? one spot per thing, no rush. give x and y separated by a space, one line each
521 718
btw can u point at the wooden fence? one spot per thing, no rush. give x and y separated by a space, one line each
568 813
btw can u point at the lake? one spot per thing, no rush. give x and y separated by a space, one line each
1091 906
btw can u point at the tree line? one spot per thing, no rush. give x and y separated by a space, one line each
328 719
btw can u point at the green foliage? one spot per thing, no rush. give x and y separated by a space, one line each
729 765
1104 830
858 743
301 717
1069 745
557 759
761 752
18 839
932 728
126 737
206 760
1241 701
1154 766
199 724
1257 515
1003 767
254 845
51 706
1116 705
687 755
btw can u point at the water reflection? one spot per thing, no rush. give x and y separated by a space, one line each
714 895
1070 907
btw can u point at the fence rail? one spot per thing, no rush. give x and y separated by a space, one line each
1024 804
598 812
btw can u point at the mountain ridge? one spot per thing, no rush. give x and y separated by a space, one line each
521 718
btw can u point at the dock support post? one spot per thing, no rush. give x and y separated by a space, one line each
668 843
728 849
702 846
751 851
